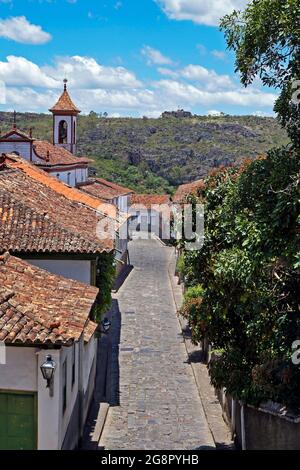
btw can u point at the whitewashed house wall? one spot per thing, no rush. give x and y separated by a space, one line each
56 428
78 270
21 148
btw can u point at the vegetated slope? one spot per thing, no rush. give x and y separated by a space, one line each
155 155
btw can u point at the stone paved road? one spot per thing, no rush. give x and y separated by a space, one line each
159 403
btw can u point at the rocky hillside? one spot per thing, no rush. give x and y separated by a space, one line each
158 154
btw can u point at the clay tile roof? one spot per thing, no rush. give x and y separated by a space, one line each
65 104
38 308
149 200
70 193
35 217
104 189
186 189
53 155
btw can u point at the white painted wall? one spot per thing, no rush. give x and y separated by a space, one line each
22 148
123 203
22 372
89 354
53 421
68 177
71 177
79 270
49 416
72 391
19 372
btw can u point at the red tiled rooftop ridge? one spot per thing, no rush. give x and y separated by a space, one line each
38 308
53 155
75 222
73 194
104 189
149 200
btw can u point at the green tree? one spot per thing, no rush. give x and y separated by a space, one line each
248 268
266 40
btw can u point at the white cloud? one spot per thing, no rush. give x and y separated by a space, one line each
154 56
219 54
86 72
262 114
202 49
191 95
28 99
19 29
214 113
209 78
167 72
30 87
2 93
200 11
20 71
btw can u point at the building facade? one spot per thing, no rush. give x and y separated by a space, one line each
47 320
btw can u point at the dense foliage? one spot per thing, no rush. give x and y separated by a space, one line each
249 267
106 273
266 40
249 272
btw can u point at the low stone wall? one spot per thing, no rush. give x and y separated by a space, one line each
268 427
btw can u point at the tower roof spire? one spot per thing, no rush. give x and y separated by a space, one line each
65 104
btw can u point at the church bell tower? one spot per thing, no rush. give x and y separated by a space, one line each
65 115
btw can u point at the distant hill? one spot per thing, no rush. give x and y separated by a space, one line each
155 155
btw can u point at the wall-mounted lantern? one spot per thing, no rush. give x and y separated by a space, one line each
105 324
47 369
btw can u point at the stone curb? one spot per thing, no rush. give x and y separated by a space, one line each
100 423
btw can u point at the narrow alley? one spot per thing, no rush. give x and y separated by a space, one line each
156 398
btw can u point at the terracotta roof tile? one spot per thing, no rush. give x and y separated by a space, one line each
104 189
69 192
53 155
23 230
30 208
37 307
65 104
185 190
17 132
149 200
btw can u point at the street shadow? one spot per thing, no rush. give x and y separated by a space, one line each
196 357
113 367
186 332
107 381
122 277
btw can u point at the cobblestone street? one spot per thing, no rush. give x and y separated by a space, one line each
159 405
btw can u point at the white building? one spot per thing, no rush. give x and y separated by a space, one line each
120 197
42 314
58 159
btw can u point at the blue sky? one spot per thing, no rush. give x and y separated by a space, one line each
126 57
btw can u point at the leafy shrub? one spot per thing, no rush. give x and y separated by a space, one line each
248 269
191 309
